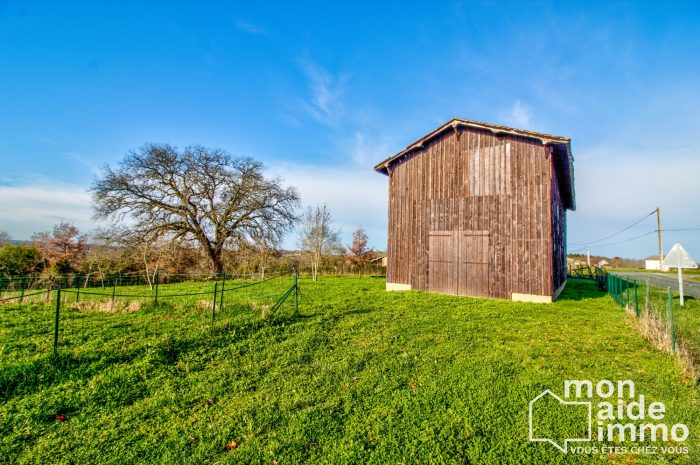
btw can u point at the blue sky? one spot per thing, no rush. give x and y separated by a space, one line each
320 92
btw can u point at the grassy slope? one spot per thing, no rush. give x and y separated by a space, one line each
362 376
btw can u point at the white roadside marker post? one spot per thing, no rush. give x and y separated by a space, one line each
679 258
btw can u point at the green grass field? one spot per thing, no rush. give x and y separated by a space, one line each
643 270
358 376
686 318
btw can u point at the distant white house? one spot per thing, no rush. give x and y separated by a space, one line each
654 264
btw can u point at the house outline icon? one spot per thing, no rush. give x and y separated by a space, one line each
562 402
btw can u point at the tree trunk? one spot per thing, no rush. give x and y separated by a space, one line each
314 267
218 264
146 270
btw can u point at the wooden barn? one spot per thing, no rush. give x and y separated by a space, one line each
479 209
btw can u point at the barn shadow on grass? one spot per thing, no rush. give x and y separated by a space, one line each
580 289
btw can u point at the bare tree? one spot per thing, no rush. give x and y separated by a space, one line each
63 247
102 258
150 251
318 237
4 237
198 193
244 257
358 252
266 251
146 250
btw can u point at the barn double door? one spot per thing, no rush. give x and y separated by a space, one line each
458 262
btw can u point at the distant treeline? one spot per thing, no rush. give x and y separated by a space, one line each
615 262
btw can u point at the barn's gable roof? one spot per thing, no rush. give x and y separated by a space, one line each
564 160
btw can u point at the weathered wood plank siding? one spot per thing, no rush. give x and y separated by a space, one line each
558 234
470 180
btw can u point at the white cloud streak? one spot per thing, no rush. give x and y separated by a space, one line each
26 209
366 150
355 196
250 28
615 187
326 92
520 115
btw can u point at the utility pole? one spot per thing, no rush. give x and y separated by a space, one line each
588 257
658 230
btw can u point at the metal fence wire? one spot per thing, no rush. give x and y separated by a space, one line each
204 302
108 280
660 317
28 283
657 303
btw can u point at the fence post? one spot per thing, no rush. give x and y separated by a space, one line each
622 291
647 297
670 321
157 278
55 325
612 287
223 285
620 296
114 291
213 303
636 300
296 292
627 288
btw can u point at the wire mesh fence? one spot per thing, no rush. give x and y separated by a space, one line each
9 284
660 317
56 317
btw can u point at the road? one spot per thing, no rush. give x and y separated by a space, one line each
690 288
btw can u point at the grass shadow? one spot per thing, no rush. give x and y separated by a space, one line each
580 289
361 311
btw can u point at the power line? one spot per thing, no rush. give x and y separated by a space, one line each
616 232
627 240
583 249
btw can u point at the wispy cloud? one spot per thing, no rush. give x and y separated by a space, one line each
85 161
615 186
355 194
356 197
325 102
29 208
520 115
250 28
365 150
